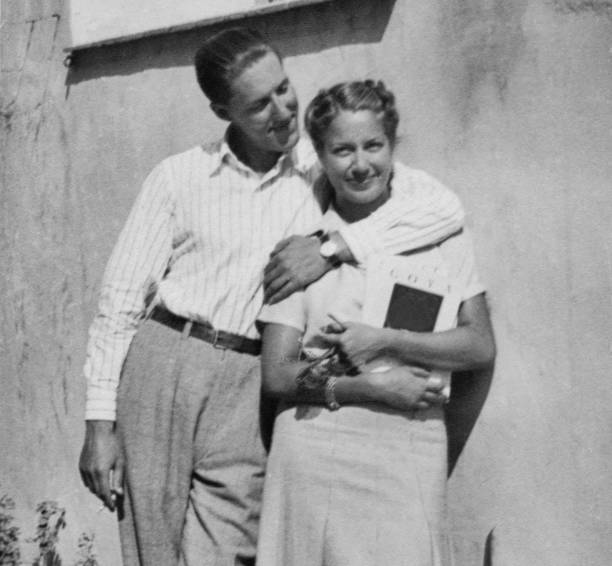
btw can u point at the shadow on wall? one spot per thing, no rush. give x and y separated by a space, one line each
469 392
295 32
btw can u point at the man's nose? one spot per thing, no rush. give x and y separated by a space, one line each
281 107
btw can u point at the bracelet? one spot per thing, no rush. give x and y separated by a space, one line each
330 394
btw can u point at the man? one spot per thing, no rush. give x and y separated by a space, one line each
173 432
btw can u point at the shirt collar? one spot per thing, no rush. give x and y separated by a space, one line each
302 158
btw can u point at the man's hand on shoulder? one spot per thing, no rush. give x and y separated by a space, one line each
101 464
294 264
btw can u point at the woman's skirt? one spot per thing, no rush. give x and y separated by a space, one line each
361 486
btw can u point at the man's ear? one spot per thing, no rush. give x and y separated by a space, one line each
220 111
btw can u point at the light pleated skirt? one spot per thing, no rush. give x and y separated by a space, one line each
362 486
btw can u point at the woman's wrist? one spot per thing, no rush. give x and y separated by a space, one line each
358 389
397 343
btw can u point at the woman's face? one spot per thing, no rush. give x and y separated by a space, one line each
357 157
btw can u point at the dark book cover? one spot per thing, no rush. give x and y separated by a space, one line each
412 309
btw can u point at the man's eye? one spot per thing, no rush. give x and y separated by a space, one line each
259 106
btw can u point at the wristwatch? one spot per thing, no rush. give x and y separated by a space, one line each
329 250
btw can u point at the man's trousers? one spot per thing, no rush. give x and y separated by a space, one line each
189 424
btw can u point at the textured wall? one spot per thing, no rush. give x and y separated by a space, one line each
508 102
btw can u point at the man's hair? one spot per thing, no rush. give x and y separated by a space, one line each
224 56
352 96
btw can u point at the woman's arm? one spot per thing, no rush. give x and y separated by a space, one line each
469 346
404 388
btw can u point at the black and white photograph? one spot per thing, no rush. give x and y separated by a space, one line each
305 283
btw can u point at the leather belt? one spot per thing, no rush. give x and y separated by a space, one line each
203 331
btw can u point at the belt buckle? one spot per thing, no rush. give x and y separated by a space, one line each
215 342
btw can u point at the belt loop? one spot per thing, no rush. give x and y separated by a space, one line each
216 340
187 329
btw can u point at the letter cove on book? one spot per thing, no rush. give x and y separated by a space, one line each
411 292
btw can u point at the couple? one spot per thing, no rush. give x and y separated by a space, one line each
174 436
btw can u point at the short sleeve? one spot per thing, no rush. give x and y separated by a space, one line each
458 254
290 312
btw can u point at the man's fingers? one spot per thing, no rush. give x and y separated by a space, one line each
288 288
103 489
422 405
117 481
274 286
272 270
281 245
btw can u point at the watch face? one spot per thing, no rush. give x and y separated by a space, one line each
328 248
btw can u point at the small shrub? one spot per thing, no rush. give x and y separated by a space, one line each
10 555
51 520
87 556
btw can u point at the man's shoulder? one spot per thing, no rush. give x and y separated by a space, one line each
204 156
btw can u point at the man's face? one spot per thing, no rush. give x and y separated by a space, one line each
263 106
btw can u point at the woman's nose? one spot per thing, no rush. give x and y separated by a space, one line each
360 166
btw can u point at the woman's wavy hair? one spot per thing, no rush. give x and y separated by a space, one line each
224 56
352 96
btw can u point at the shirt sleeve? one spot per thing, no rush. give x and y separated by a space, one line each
458 253
420 212
290 312
132 274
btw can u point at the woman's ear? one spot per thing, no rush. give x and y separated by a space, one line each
220 111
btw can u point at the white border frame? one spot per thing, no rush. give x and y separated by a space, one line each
95 23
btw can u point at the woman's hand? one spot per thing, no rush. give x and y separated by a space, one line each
360 343
407 388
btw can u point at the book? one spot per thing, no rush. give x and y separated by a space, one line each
410 292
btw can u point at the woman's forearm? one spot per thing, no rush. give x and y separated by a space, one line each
281 381
469 346
454 350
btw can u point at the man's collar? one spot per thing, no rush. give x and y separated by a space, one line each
222 155
302 157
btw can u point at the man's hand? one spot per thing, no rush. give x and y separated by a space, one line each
407 388
101 464
294 264
360 343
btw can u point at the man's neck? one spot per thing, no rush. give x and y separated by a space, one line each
256 159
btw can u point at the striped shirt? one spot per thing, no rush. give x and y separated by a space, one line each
200 234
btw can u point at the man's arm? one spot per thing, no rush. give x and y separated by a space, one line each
137 264
421 212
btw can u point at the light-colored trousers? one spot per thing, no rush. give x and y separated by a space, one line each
189 423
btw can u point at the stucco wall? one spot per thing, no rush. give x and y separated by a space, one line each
508 102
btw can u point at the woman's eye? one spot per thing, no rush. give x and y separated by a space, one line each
374 146
282 89
341 151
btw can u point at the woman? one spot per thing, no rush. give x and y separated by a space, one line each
362 485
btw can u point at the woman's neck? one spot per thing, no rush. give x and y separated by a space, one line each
351 211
